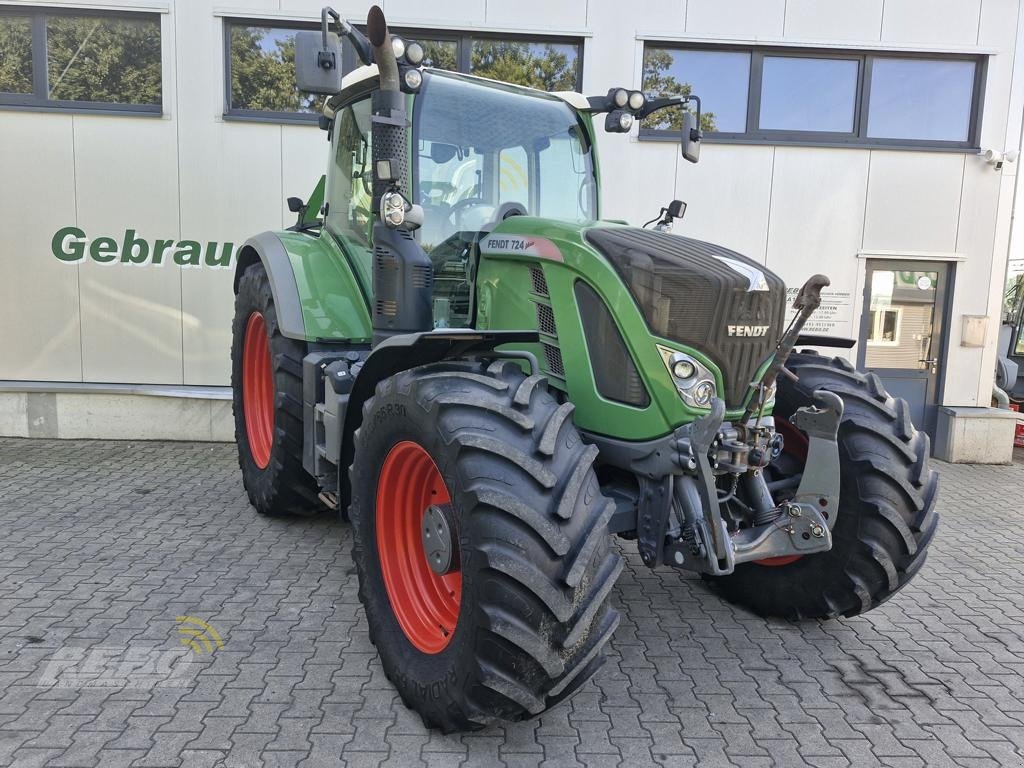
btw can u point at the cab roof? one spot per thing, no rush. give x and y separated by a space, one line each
572 98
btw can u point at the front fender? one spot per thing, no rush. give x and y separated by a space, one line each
317 292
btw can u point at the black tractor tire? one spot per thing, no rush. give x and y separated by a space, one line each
887 498
282 486
537 565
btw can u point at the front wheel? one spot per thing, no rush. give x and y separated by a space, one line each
886 507
481 543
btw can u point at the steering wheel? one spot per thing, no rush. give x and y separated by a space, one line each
458 206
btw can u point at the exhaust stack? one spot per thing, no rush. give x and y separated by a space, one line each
403 274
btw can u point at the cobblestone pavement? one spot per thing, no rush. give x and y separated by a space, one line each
104 544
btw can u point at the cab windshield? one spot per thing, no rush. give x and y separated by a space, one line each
488 151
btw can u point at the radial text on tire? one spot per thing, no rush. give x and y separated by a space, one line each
519 621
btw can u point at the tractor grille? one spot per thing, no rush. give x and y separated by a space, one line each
553 356
699 294
546 320
540 284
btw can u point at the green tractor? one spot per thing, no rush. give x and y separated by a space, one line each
452 349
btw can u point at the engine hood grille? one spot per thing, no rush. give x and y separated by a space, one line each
705 296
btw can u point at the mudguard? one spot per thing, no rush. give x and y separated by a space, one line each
320 295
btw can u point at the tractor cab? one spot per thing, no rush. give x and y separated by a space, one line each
482 152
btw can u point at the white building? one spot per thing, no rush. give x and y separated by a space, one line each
847 142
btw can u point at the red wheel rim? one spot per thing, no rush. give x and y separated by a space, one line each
258 390
796 445
425 604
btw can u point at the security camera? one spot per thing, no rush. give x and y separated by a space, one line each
995 158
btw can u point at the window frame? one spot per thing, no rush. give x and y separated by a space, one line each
879 325
39 99
858 138
462 38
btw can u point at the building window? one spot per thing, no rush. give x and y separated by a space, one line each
720 78
80 60
261 65
921 99
835 97
808 94
884 327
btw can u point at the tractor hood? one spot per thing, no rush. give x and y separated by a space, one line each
702 295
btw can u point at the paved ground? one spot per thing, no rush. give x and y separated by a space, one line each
105 544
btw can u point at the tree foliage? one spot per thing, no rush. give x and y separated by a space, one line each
443 54
659 82
91 58
88 58
550 67
15 54
263 72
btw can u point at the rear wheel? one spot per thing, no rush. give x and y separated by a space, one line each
886 508
480 539
266 381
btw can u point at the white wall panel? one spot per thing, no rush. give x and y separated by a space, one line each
728 195
834 19
735 18
613 56
432 14
237 179
230 190
304 156
126 177
944 22
635 181
38 293
998 29
538 14
913 201
816 225
976 240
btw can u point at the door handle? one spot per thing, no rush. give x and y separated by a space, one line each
930 360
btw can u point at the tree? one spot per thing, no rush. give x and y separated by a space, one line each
15 54
659 83
93 58
263 72
548 67
442 54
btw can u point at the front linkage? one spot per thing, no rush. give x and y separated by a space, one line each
678 515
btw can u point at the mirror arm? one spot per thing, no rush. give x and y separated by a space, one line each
357 38
325 25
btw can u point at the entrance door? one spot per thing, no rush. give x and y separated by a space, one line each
901 338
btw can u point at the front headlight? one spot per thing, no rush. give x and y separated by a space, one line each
694 381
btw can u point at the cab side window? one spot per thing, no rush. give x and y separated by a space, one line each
350 182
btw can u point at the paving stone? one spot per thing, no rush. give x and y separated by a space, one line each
122 538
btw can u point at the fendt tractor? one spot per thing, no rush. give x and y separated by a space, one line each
452 349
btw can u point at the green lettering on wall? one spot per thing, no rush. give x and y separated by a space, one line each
103 249
225 255
128 254
159 248
68 244
188 254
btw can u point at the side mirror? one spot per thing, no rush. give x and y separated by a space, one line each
318 62
295 204
676 209
690 142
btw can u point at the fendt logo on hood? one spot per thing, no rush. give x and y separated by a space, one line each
747 331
